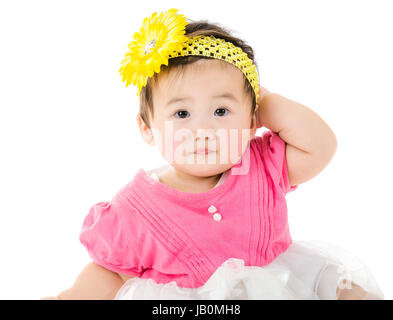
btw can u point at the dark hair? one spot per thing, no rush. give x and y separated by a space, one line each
194 28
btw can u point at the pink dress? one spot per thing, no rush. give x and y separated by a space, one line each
231 242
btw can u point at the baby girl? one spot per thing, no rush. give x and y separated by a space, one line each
213 222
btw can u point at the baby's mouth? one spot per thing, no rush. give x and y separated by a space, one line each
203 151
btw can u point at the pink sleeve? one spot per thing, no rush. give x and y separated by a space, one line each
274 154
107 242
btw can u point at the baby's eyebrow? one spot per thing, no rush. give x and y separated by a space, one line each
223 95
226 95
177 99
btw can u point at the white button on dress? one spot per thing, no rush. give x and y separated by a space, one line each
212 209
217 217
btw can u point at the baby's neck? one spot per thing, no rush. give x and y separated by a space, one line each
188 183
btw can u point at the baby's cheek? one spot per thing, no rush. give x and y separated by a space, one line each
243 139
176 148
233 142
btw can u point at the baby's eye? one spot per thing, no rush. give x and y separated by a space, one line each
181 112
222 110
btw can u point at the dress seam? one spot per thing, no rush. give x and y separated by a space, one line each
189 256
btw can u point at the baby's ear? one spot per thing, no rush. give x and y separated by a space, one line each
146 132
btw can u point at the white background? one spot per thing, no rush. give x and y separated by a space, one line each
69 138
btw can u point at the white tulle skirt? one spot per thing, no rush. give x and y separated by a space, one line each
307 270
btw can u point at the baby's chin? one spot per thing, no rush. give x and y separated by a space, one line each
202 170
203 165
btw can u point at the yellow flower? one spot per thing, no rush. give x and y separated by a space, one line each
158 37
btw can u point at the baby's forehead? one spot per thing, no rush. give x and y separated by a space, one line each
207 75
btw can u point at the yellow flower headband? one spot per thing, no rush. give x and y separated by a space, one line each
163 37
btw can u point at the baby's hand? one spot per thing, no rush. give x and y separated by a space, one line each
263 92
50 298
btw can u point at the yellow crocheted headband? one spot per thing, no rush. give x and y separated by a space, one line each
162 37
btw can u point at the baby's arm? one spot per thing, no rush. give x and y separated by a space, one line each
310 142
93 283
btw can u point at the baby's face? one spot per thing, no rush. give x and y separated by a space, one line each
206 107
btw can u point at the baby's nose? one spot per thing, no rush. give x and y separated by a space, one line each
205 134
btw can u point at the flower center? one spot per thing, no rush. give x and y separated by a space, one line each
151 44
